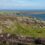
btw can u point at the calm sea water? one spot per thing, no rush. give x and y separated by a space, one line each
38 16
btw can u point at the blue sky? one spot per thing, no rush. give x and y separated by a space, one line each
22 4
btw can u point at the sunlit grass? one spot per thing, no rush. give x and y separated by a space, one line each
22 29
25 30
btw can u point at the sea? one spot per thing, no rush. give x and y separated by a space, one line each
38 16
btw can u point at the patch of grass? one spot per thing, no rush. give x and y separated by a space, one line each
21 29
26 30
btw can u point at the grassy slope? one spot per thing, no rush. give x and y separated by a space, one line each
24 29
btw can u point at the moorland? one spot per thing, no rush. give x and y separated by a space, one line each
24 26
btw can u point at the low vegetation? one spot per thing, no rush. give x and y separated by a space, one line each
22 26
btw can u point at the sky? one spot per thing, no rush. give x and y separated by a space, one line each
22 4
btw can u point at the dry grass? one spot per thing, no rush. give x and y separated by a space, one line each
21 25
